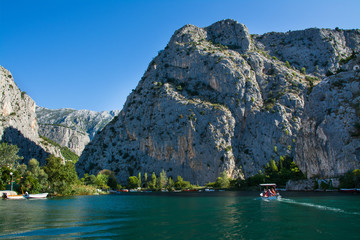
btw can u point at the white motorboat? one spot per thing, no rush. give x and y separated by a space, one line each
269 191
36 196
13 197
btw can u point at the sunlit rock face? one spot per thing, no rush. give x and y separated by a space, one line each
18 123
72 128
218 99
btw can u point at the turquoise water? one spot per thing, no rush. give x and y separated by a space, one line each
217 215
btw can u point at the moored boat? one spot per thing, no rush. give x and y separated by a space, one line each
36 196
269 191
13 197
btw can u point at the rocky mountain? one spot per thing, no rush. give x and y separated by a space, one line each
72 128
218 98
18 124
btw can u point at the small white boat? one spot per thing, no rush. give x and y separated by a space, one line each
13 197
269 192
36 196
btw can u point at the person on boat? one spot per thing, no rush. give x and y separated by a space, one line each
265 193
273 193
268 193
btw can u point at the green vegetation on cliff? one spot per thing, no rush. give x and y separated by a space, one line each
278 172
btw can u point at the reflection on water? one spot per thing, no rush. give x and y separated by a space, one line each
225 215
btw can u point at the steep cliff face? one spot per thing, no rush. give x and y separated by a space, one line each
66 137
215 100
328 143
18 124
72 128
317 50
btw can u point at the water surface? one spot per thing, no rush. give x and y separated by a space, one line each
217 215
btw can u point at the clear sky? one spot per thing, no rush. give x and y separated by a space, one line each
90 54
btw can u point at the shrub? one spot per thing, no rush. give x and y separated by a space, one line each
303 70
133 182
181 184
68 154
279 172
350 179
287 64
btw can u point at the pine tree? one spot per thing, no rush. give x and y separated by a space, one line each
139 179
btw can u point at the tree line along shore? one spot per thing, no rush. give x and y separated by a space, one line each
60 178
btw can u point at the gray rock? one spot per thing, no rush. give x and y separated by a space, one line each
84 121
18 124
300 185
328 144
317 50
72 128
66 137
215 100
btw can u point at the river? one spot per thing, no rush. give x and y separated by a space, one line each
206 215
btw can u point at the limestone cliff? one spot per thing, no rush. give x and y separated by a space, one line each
18 124
65 136
328 143
72 128
219 99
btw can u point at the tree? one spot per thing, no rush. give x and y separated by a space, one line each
139 179
223 181
180 183
133 182
350 179
102 180
61 176
9 155
146 180
152 183
111 180
287 64
33 166
303 70
35 179
5 177
22 169
162 179
89 179
273 166
170 185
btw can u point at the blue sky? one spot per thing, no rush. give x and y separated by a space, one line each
87 54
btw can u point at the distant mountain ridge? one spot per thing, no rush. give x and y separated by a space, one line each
72 128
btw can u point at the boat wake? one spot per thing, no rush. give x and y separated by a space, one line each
321 207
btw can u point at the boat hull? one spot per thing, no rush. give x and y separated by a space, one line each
15 197
37 196
275 197
271 198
